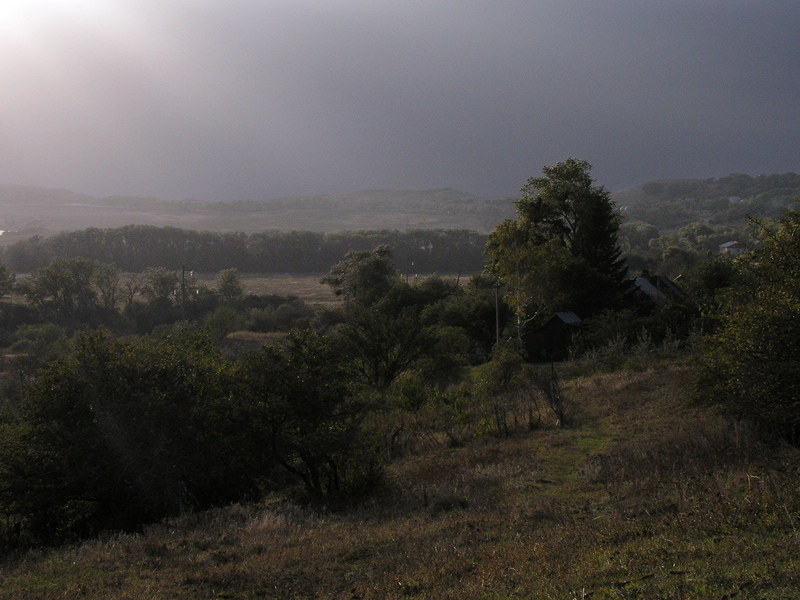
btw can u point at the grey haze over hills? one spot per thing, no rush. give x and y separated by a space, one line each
667 203
31 210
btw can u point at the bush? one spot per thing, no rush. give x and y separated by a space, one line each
310 419
124 432
752 362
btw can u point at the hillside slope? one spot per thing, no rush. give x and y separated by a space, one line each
645 496
673 203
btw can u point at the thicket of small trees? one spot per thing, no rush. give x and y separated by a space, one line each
122 432
75 292
113 432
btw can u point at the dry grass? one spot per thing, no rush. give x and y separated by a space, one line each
645 497
305 286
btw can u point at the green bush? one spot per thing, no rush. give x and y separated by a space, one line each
124 432
752 361
311 420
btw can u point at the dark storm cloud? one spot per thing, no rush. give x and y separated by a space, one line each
243 99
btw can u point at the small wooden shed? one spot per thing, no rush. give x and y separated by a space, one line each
551 342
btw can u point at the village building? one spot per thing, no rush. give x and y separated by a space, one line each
552 341
732 249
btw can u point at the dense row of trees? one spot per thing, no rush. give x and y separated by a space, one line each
136 248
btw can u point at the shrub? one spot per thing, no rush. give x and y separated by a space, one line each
752 362
124 432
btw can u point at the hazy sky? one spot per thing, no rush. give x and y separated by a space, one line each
236 99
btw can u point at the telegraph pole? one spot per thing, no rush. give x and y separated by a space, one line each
497 311
183 293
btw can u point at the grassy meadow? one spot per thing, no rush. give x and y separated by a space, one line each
305 286
644 495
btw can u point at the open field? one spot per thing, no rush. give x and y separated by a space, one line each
643 496
305 286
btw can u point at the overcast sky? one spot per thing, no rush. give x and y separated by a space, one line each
238 99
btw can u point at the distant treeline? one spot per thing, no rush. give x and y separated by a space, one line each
138 247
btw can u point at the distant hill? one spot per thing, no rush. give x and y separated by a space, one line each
672 203
41 210
668 204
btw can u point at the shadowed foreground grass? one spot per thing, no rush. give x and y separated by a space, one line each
645 496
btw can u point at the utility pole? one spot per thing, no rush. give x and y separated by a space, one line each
183 293
497 311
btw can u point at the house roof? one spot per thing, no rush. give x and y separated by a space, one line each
660 288
643 283
568 318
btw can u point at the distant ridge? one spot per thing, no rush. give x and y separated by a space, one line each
43 210
670 204
667 203
736 185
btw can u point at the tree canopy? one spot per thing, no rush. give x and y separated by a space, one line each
562 251
564 206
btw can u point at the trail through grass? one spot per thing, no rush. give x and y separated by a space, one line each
643 496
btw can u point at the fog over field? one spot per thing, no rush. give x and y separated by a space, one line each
239 100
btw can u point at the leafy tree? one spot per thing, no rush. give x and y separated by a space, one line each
64 290
363 277
28 255
561 253
7 280
130 288
224 320
753 360
38 344
382 330
564 206
539 278
107 281
636 235
710 280
229 285
475 309
311 420
161 285
385 339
